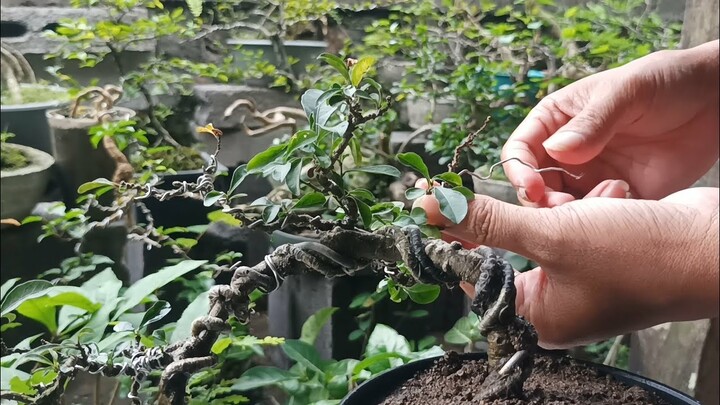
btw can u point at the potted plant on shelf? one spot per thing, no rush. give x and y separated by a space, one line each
77 158
24 102
25 175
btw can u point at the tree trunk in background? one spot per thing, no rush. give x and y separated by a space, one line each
685 355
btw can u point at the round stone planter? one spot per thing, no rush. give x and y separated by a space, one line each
22 188
79 162
28 122
420 111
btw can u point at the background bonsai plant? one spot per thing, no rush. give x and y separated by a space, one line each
24 101
498 61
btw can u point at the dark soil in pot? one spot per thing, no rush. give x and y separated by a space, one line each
456 379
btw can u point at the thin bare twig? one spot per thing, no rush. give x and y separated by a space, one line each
467 143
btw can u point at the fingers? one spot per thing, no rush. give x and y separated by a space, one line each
493 223
530 185
586 134
610 189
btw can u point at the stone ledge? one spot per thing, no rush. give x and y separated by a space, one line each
37 19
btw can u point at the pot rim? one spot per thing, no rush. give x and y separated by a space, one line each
43 105
365 391
39 161
58 120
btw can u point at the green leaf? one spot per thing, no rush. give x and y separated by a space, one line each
413 193
466 330
270 213
301 139
337 63
423 293
314 199
415 162
263 158
261 376
212 197
199 307
221 345
186 243
38 310
451 178
469 195
314 324
418 216
355 150
195 7
220 216
97 183
240 173
293 177
309 102
22 293
386 170
363 194
375 360
600 49
144 287
365 213
304 354
360 69
385 339
7 286
453 204
157 311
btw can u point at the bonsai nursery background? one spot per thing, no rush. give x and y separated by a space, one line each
149 74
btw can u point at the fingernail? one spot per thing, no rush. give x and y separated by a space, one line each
624 186
522 194
563 141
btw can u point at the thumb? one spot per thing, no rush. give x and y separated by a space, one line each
494 223
586 134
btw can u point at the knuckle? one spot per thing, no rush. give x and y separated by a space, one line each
481 219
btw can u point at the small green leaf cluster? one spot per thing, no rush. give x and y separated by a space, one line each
313 380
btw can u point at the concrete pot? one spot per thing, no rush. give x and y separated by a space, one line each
79 162
306 52
420 111
498 189
28 122
393 71
21 189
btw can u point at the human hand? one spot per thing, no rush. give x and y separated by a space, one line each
652 123
607 265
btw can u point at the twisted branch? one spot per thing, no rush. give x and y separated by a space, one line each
271 119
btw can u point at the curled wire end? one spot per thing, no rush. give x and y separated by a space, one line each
535 169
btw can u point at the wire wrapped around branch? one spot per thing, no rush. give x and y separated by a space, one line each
342 252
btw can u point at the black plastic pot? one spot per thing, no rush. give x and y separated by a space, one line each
376 390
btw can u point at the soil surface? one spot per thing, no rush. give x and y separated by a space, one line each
554 380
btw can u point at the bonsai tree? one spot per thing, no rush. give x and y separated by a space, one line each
17 74
356 232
